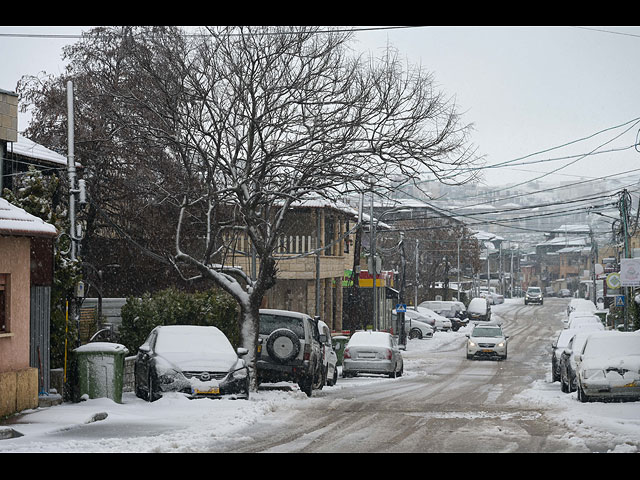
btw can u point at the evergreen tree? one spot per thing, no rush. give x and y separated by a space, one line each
37 195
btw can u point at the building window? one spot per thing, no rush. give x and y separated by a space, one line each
4 303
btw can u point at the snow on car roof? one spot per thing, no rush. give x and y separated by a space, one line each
370 338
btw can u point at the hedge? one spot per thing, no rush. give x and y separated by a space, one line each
174 307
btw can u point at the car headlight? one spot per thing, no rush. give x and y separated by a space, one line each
501 344
471 343
169 376
240 373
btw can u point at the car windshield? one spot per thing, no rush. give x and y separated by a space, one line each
487 332
270 322
192 339
533 290
612 344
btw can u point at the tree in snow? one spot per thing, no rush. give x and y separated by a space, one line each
241 122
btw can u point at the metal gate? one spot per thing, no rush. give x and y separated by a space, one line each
40 335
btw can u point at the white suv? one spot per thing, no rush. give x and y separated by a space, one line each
289 349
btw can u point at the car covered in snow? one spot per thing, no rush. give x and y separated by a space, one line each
417 325
438 322
479 310
609 367
567 366
198 361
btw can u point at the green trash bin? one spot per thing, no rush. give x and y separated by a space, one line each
339 343
101 370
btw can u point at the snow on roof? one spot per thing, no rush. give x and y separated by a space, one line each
16 221
28 148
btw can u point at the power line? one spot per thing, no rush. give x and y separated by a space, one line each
70 36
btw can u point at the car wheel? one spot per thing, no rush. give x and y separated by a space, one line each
283 345
415 333
306 385
582 396
335 376
152 391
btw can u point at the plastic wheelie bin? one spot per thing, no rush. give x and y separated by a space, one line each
101 370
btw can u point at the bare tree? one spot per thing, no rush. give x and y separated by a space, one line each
244 121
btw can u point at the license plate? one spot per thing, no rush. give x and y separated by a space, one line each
211 391
487 350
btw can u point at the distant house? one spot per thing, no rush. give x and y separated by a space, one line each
26 276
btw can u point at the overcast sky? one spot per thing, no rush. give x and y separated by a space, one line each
525 89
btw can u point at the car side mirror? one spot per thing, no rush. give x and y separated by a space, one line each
144 349
578 357
242 351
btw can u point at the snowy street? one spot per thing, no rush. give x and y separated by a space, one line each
442 403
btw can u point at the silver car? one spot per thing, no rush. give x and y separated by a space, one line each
609 367
372 352
487 341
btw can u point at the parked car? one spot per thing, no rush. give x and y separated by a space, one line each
565 293
479 310
487 341
416 325
198 361
492 297
609 367
581 304
580 320
289 349
557 347
567 362
438 322
374 353
533 295
455 311
330 359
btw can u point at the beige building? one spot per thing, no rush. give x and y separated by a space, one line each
313 253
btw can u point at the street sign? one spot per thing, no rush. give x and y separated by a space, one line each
401 308
630 272
613 280
619 302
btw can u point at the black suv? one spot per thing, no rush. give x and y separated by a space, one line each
289 349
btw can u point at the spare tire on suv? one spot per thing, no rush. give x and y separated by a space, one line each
289 349
283 345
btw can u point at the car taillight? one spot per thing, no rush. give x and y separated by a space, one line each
346 353
307 352
389 354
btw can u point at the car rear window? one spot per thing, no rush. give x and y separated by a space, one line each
270 322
